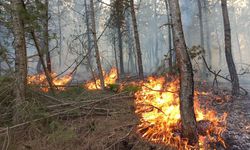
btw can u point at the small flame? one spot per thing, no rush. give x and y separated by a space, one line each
109 78
40 79
157 105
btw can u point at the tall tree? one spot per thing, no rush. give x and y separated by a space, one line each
171 49
118 15
97 54
228 50
46 35
137 40
20 57
188 119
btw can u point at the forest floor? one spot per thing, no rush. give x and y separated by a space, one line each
95 120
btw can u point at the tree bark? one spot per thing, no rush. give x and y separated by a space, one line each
228 50
46 36
89 53
188 119
137 40
170 37
119 32
98 59
46 71
20 60
208 41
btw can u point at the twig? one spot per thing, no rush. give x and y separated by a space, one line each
221 75
47 96
59 113
160 90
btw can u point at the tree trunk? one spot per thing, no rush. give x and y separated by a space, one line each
89 53
46 71
98 59
119 32
228 49
60 33
201 23
20 60
208 41
131 64
46 36
170 42
188 119
137 40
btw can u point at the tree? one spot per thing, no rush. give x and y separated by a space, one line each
228 50
20 57
98 59
118 24
137 40
188 119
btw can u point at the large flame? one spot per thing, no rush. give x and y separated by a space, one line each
157 105
41 81
109 78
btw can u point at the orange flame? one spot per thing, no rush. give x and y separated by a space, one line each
40 79
157 105
109 78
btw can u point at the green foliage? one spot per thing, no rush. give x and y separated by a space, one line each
60 133
72 91
114 87
131 88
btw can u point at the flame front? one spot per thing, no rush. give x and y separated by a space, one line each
157 105
40 79
109 78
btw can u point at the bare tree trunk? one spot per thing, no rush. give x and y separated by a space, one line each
208 41
20 60
203 71
122 73
60 33
237 35
116 61
98 59
89 53
46 71
201 23
46 36
131 64
171 49
228 50
137 40
156 62
219 45
188 119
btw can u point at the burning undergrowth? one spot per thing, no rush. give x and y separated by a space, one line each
41 81
109 78
157 105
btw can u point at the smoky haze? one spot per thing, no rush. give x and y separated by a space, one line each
68 26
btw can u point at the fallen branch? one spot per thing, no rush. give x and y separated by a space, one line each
59 113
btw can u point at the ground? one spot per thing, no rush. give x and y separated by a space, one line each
96 120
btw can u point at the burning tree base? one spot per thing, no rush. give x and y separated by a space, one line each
157 105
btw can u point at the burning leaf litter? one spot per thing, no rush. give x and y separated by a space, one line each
109 78
160 120
40 79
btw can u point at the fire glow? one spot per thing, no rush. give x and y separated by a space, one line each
109 78
40 80
157 105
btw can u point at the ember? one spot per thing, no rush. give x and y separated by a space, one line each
157 105
109 78
40 80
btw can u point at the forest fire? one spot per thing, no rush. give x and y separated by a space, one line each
109 78
41 81
157 105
